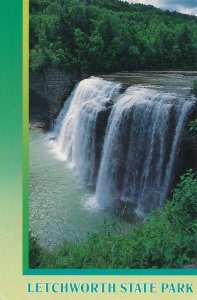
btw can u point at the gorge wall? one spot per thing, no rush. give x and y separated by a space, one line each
48 90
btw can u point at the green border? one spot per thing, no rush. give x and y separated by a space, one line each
25 69
26 270
112 272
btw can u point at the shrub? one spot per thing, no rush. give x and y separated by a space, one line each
35 253
194 88
167 240
193 128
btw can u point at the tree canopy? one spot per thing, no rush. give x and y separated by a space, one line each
109 35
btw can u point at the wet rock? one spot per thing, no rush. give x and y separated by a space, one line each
54 86
125 211
38 111
123 88
189 147
101 125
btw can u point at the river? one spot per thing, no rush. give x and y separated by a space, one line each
60 205
70 185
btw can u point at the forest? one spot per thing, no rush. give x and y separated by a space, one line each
108 36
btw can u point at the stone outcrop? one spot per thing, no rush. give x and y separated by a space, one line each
100 131
48 90
38 111
189 147
189 152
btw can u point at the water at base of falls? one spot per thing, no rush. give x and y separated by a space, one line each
141 147
123 144
60 209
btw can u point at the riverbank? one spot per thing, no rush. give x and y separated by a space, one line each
167 240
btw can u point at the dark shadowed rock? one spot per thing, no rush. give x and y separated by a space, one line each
38 111
101 125
123 88
189 148
54 86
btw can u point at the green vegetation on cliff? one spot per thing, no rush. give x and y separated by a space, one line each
193 128
109 35
194 88
167 240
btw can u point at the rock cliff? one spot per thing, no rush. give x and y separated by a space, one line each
48 90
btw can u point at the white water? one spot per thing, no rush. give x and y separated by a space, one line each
141 148
140 145
76 126
58 206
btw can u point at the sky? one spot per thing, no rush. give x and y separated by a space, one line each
183 6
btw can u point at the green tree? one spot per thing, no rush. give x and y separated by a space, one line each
108 36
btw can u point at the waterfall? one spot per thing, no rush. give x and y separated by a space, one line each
125 143
77 125
141 148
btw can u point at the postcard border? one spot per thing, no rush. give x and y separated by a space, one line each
26 270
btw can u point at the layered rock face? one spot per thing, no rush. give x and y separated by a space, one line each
48 90
190 153
38 111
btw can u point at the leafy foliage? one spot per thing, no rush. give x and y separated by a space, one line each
109 35
167 240
194 88
35 253
193 128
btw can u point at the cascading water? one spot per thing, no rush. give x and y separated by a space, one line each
77 139
141 147
138 140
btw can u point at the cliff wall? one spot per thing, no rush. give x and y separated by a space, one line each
48 90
